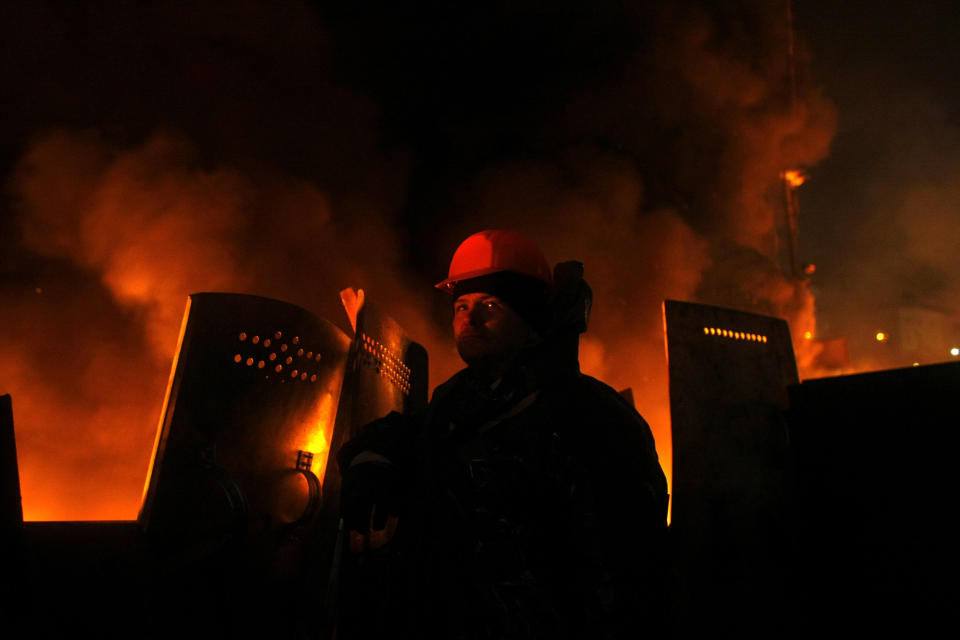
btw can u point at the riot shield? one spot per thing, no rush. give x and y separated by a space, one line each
729 373
11 510
12 595
386 371
247 421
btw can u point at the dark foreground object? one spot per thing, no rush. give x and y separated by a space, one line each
102 580
876 497
236 536
731 528
836 520
800 509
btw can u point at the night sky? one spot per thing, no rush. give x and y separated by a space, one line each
880 213
290 149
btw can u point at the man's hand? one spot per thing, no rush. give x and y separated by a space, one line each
371 500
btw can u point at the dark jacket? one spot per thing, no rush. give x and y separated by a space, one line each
533 509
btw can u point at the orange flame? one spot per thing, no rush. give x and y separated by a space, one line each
320 433
794 177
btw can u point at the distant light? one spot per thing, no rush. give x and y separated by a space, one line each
809 269
794 177
955 352
808 335
736 335
916 364
881 336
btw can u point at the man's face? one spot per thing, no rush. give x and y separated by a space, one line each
489 334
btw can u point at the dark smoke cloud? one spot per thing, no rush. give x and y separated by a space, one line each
881 210
164 150
145 227
658 166
278 149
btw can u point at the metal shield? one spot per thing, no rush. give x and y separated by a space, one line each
247 422
729 373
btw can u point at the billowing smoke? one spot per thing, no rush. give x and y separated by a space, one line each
322 150
665 180
634 259
147 226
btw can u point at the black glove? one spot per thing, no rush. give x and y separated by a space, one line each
370 493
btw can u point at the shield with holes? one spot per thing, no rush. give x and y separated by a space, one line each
386 370
729 373
247 423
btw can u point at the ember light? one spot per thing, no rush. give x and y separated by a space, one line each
736 335
794 177
955 352
385 361
882 337
808 335
262 361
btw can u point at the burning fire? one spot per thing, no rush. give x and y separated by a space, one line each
139 230
321 433
794 177
128 232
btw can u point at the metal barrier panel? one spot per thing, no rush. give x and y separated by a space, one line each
12 598
876 485
247 421
386 371
11 508
729 372
233 538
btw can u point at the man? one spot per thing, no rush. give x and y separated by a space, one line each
529 497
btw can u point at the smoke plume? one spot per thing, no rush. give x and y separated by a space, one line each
876 211
286 151
145 227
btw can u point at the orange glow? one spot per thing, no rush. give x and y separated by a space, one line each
137 230
320 433
808 335
181 222
739 335
794 177
881 336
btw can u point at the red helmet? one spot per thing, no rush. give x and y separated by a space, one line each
493 251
